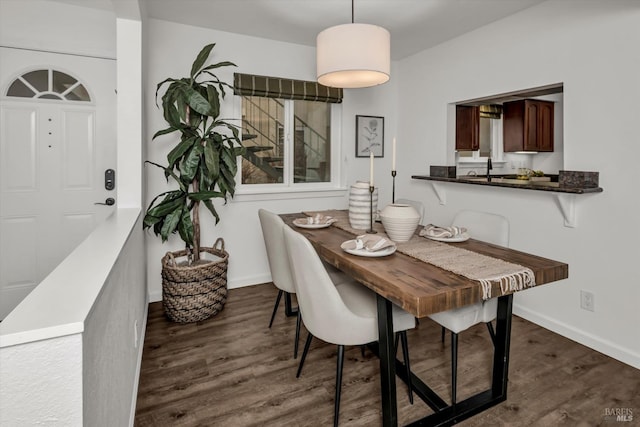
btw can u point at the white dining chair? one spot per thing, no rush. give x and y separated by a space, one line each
419 206
340 314
272 230
491 228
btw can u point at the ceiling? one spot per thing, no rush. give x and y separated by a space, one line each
414 25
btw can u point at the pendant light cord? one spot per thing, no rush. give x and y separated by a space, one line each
352 11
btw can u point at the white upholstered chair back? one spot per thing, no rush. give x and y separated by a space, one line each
272 229
488 227
324 312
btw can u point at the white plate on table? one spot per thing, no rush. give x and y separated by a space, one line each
461 238
302 223
366 253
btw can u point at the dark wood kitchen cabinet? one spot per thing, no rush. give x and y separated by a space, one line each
467 128
528 125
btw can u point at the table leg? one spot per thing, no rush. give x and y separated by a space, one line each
445 416
502 344
288 310
387 363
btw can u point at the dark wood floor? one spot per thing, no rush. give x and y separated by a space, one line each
232 370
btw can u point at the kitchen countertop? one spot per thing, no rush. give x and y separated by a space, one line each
502 181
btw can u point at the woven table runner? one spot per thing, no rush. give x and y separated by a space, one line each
482 268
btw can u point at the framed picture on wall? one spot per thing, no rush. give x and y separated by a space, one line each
369 136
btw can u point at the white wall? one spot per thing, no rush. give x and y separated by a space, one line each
46 25
591 47
112 339
41 382
171 51
130 106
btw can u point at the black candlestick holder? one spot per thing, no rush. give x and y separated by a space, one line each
393 187
371 230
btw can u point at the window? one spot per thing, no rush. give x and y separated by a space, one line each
490 133
48 84
287 141
291 137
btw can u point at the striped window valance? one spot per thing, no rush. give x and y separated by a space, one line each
275 87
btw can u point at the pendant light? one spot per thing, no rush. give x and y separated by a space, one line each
353 55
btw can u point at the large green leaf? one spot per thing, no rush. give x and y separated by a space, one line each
229 159
201 59
238 151
166 206
176 154
212 159
171 222
229 180
214 101
185 227
189 165
204 178
160 85
164 132
175 98
196 101
209 206
173 108
205 195
219 65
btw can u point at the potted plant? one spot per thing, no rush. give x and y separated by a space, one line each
203 165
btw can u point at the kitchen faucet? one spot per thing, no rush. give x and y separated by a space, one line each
489 167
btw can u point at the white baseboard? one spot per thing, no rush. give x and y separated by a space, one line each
616 351
134 397
249 281
232 284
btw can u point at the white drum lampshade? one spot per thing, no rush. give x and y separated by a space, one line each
353 56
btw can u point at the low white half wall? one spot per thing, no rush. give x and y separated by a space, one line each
70 352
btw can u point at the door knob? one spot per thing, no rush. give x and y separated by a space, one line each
109 202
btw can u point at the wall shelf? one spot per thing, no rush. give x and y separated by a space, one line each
565 196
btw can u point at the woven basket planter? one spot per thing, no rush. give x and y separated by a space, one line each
191 293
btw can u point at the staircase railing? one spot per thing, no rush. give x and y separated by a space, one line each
312 141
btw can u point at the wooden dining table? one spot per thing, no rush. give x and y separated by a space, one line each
422 289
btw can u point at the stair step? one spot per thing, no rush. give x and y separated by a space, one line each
273 159
256 148
248 136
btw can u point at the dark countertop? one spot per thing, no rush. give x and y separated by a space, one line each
502 181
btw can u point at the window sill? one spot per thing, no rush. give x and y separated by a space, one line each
250 194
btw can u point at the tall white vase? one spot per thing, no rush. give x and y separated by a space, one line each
360 205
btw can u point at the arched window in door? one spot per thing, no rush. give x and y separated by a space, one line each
48 84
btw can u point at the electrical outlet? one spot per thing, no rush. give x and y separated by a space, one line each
135 333
587 301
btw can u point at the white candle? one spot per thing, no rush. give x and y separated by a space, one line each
371 169
393 155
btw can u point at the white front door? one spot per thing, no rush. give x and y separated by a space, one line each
57 138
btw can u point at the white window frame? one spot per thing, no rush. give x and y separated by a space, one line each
289 189
497 151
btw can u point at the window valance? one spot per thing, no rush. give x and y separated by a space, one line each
275 87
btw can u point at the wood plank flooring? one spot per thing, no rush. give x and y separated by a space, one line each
232 370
